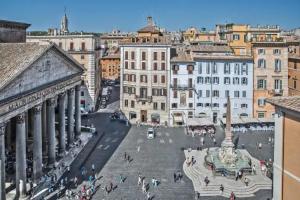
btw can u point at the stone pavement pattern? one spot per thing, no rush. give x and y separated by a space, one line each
198 172
160 158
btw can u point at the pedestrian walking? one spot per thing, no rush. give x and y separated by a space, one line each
221 188
148 196
68 169
139 180
93 168
206 181
121 178
175 177
75 181
246 181
215 142
125 156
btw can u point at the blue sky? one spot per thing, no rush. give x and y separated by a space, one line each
129 15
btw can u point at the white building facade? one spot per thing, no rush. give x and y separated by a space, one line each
216 77
182 92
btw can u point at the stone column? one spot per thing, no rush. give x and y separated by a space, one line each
2 160
51 130
37 143
77 111
62 123
70 116
20 155
44 128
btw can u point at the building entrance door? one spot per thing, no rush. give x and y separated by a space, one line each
143 115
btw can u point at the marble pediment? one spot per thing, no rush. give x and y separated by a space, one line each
50 68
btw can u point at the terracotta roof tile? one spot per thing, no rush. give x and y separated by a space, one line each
291 102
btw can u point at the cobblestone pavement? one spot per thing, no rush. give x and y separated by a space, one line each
160 158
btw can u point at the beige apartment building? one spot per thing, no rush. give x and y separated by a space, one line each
144 83
294 66
270 75
85 49
145 65
286 166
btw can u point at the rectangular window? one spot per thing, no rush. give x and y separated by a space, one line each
244 81
208 68
226 68
60 44
244 69
261 84
236 37
163 106
163 55
126 64
226 80
154 78
261 63
190 94
190 69
155 66
227 93
214 68
261 102
132 55
163 66
126 103
244 105
71 46
175 95
163 79
295 84
126 55
199 93
244 93
215 80
82 57
190 83
83 46
143 55
132 104
277 65
200 80
190 105
261 115
143 65
155 106
200 68
199 104
276 52
154 55
207 80
175 69
278 84
236 94
215 93
207 93
235 80
175 82
132 65
237 69
174 105
261 51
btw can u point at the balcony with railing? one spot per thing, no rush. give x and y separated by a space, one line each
143 98
276 92
182 86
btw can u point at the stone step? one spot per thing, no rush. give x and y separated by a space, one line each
214 190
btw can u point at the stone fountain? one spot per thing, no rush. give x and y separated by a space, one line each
227 160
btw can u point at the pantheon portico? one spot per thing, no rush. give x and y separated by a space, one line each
39 108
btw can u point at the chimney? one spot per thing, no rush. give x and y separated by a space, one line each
150 21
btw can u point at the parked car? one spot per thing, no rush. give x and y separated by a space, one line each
150 133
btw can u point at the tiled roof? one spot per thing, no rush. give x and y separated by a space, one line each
16 57
112 56
291 102
149 28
